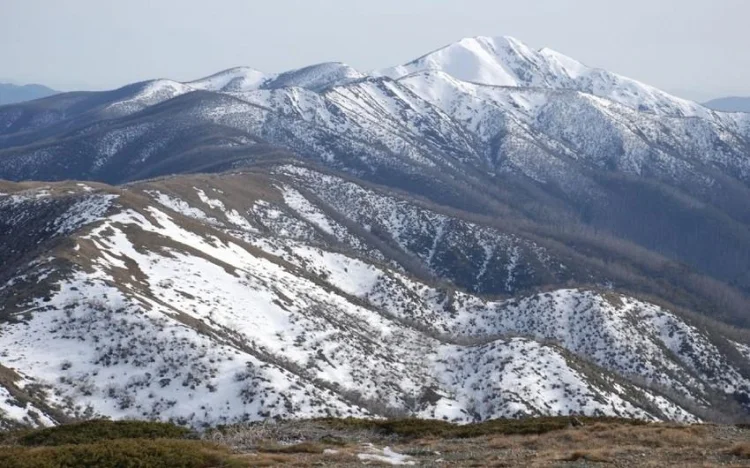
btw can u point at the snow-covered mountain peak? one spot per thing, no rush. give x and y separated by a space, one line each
482 59
478 59
506 61
316 77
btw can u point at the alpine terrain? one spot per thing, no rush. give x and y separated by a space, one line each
487 231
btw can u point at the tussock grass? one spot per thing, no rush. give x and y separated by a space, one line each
741 450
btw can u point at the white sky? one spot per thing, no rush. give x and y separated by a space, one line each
696 48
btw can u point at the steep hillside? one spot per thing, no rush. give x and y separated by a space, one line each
214 299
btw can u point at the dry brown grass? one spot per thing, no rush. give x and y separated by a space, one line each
654 445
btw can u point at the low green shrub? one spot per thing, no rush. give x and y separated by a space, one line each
414 428
123 453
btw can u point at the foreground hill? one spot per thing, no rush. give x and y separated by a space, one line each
292 291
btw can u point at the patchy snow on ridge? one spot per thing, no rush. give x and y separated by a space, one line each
162 312
181 206
295 200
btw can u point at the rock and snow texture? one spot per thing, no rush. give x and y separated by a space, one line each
179 302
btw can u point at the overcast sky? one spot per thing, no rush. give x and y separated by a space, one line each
696 48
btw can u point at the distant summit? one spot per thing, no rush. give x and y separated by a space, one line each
11 94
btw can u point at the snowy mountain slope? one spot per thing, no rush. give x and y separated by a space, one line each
79 109
382 131
234 79
423 121
214 314
351 129
580 126
473 256
56 116
316 77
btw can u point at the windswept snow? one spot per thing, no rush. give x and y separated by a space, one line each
386 455
235 80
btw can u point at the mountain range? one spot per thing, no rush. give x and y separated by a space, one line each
730 104
486 231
